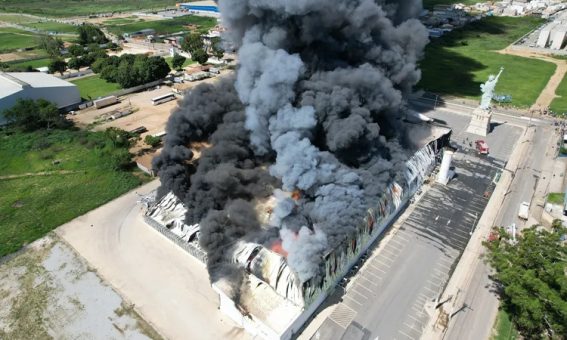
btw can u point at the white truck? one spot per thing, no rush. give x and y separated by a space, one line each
524 211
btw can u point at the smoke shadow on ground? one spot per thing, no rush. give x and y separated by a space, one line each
447 71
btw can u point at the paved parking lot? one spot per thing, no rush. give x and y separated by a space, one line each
387 298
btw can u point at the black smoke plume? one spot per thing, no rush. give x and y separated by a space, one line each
316 107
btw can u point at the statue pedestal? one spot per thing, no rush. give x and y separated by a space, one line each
480 122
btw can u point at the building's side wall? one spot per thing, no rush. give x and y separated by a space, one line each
61 96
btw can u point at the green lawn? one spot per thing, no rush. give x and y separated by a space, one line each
52 26
67 8
16 18
555 197
559 104
35 63
32 206
166 26
93 87
458 63
187 62
503 328
12 39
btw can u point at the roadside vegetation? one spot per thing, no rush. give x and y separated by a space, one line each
459 62
70 8
51 172
530 278
559 104
504 328
555 197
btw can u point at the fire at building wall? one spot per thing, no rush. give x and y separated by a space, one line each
308 152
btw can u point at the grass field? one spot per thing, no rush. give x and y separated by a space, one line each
458 63
166 26
122 21
51 26
503 328
69 8
559 104
187 62
33 63
93 87
16 18
33 205
12 39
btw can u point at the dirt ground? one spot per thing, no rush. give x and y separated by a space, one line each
48 291
548 93
170 288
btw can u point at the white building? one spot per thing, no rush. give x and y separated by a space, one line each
36 85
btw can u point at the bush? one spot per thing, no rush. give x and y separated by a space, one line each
152 141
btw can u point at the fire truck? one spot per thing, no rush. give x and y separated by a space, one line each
481 147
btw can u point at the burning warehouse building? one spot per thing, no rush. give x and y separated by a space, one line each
305 156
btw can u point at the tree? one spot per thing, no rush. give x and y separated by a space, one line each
152 141
57 65
89 34
76 50
532 277
216 46
192 42
30 115
177 61
51 45
75 63
200 56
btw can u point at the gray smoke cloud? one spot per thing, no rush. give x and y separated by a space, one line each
316 107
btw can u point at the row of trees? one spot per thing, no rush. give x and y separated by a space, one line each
532 278
131 70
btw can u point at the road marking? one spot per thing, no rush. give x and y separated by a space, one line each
382 263
409 336
391 252
444 267
419 311
359 293
363 278
371 273
430 290
436 284
415 319
402 245
363 287
378 269
353 299
407 239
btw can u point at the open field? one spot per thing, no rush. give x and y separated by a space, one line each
49 292
35 63
122 21
52 26
187 62
458 63
93 87
17 18
46 195
166 26
70 8
13 39
559 104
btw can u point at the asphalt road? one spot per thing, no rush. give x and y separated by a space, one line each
475 322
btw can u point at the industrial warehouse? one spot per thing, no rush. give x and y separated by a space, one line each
36 85
273 302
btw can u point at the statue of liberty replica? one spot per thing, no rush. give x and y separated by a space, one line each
482 115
